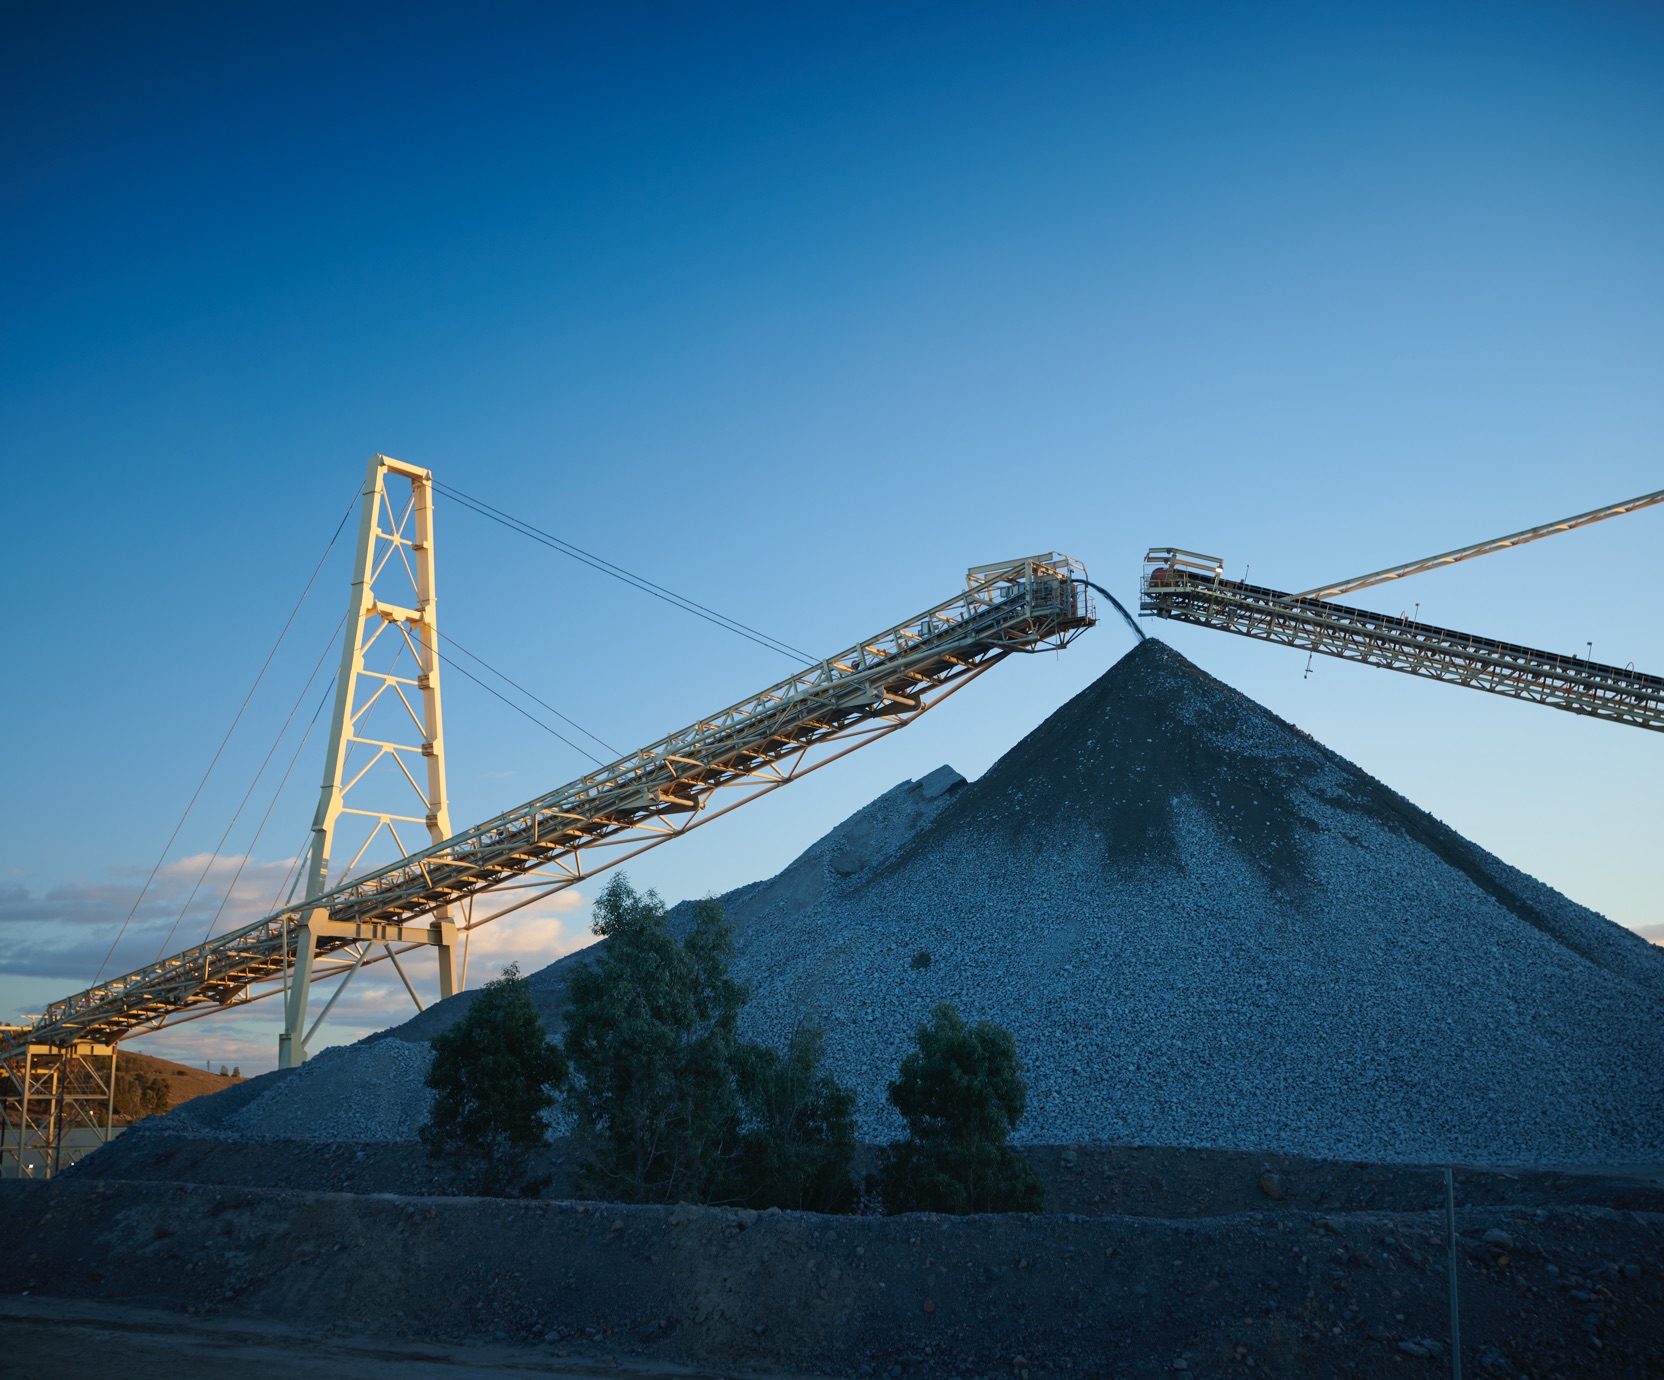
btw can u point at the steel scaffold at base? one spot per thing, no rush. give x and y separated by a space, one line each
658 793
1191 588
49 1093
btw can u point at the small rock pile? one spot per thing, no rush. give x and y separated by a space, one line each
364 1092
374 1090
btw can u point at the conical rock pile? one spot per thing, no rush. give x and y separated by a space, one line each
1206 929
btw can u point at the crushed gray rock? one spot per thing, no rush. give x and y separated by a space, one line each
371 1091
1203 928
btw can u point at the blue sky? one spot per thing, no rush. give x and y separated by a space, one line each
802 310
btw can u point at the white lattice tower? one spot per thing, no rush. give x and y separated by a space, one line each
383 793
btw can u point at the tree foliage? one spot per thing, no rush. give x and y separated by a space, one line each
650 1033
494 1075
961 1092
139 1095
667 1103
799 1139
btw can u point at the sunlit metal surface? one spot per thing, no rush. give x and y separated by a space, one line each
1483 548
661 792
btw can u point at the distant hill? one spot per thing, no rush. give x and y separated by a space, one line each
137 1073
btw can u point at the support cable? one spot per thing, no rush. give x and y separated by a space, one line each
291 878
242 805
528 694
270 806
618 572
464 671
219 751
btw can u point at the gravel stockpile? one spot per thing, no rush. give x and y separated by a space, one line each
1203 928
368 1091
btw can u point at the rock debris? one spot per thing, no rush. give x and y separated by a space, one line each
1204 929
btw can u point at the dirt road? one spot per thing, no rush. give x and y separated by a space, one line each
54 1339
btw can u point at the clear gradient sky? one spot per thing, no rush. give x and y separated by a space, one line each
801 310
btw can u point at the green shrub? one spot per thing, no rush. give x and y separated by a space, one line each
494 1076
667 1103
799 1140
650 1036
961 1092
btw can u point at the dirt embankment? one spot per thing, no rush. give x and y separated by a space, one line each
1564 1290
1090 1180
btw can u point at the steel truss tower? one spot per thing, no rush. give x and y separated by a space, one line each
385 765
57 1103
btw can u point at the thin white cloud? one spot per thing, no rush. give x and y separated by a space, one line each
66 930
533 938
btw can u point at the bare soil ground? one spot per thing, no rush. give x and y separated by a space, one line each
46 1337
1192 1267
1091 1180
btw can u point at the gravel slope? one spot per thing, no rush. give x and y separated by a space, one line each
1204 929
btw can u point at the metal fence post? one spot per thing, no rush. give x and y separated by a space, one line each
1450 1256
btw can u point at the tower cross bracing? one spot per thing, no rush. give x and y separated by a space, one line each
385 763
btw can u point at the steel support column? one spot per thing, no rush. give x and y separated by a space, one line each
393 569
48 1093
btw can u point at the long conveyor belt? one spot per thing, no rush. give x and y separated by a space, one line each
658 793
1181 586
